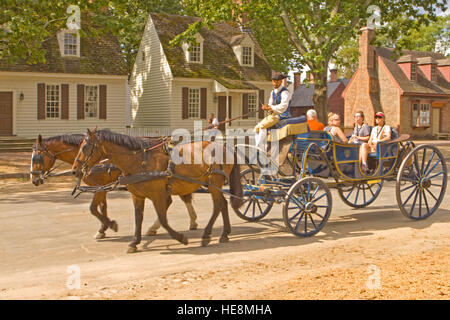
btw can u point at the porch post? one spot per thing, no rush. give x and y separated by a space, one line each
227 112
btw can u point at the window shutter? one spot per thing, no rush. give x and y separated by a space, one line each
184 102
41 101
244 105
203 103
261 102
65 101
80 101
102 100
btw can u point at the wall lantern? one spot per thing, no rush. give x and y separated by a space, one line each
21 96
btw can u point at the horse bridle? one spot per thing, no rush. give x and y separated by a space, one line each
40 160
84 164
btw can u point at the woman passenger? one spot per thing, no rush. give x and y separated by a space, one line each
361 131
381 132
334 122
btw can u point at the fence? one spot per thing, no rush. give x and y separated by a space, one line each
147 132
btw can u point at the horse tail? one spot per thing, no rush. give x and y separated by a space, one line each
236 185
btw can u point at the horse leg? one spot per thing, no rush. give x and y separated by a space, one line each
96 200
156 225
217 204
160 202
139 204
187 199
104 211
226 221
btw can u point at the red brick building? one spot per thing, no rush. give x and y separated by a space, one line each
413 89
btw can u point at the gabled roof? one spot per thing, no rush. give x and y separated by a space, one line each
219 60
303 95
422 85
99 55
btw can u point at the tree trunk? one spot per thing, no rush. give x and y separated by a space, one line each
320 98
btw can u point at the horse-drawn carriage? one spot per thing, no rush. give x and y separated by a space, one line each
317 163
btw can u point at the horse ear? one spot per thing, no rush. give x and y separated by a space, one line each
39 140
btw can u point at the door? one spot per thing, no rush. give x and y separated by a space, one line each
222 112
436 120
6 110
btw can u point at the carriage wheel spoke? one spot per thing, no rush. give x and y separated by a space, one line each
432 195
415 190
259 206
350 193
315 200
432 168
298 221
416 163
306 223
429 162
426 202
246 209
364 193
310 216
414 203
370 189
318 214
357 194
435 175
420 203
423 161
412 186
295 215
253 210
315 191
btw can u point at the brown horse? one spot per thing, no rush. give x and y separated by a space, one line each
65 148
130 156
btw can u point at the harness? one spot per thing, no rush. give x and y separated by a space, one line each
40 160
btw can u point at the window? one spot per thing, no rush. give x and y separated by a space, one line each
52 101
420 114
433 72
195 53
252 105
70 44
91 101
413 72
247 56
194 103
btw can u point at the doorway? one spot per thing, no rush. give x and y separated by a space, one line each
6 113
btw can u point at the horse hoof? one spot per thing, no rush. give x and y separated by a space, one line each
132 250
224 239
99 235
151 232
206 241
114 226
193 226
184 240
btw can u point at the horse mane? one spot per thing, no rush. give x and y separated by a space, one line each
69 139
132 143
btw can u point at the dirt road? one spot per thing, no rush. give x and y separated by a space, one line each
372 253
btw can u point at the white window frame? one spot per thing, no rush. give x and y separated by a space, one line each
194 103
91 102
247 55
62 43
413 73
421 116
56 102
187 49
195 51
252 105
433 72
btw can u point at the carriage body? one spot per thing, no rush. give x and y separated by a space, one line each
319 163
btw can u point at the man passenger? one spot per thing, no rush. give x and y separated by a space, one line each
313 123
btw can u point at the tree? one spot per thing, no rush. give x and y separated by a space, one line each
312 30
25 25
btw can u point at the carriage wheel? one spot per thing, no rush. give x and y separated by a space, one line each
254 208
307 207
421 182
360 195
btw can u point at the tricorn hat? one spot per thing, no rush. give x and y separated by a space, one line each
278 75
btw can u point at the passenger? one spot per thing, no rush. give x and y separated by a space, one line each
334 122
311 118
381 132
361 131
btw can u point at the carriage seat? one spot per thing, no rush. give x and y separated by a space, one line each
394 136
288 127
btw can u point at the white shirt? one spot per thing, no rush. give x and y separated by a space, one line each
377 134
215 123
285 98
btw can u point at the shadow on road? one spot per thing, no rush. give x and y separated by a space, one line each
271 233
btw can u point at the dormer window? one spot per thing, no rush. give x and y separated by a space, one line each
69 43
194 51
413 72
247 56
433 73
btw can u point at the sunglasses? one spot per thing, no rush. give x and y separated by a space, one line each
378 117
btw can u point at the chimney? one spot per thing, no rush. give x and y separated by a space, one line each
408 64
296 80
443 66
309 77
428 67
333 75
366 52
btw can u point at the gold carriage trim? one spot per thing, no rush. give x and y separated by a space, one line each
287 130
